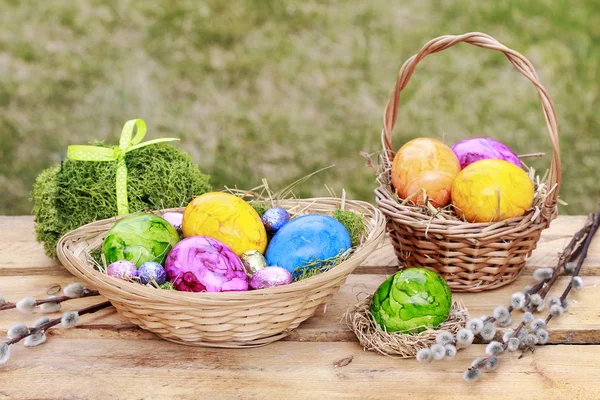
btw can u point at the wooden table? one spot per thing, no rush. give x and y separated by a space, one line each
106 357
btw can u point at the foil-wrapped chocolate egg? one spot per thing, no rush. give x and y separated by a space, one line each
175 219
122 269
253 261
274 218
151 270
270 277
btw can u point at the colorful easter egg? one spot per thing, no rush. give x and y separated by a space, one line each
200 263
492 190
270 277
427 164
139 238
274 219
152 271
307 239
122 269
226 218
410 300
474 149
174 218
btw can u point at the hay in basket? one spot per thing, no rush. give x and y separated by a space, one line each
229 319
472 257
397 344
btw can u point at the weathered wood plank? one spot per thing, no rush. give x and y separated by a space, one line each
150 369
20 254
581 324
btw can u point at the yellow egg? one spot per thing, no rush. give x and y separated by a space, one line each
227 218
492 190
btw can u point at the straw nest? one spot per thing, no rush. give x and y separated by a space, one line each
397 344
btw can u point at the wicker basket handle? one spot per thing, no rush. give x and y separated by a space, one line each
518 60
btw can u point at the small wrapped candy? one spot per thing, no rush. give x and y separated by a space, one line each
253 261
274 218
270 277
175 219
151 270
122 269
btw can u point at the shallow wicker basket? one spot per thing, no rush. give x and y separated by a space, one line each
472 257
233 319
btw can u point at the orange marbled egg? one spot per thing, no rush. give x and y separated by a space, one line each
492 190
227 218
427 164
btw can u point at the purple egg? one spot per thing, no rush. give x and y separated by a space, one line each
201 263
474 149
122 269
152 270
275 218
270 277
174 218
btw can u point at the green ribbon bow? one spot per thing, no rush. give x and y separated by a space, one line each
127 143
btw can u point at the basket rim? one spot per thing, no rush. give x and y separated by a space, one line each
105 283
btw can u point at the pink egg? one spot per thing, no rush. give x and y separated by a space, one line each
474 149
201 263
270 277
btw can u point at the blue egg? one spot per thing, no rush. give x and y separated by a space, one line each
307 239
152 270
274 219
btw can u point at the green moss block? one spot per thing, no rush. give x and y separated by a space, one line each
75 193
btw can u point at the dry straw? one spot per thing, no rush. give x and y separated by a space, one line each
397 344
472 257
233 319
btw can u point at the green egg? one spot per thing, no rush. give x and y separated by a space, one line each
410 300
140 238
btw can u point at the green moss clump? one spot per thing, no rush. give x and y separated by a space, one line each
260 207
75 193
354 223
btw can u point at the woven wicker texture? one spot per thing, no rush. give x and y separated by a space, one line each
233 319
472 257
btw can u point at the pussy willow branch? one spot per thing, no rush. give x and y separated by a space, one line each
584 251
58 299
570 253
56 321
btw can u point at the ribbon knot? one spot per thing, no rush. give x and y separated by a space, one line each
127 142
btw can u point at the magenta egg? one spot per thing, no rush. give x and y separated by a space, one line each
201 263
122 269
270 277
474 149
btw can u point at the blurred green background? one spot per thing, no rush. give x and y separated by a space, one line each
278 89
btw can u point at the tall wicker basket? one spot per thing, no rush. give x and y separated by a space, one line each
232 319
472 257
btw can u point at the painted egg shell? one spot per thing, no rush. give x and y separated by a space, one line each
306 239
274 219
139 238
151 270
492 190
474 149
411 300
174 218
428 164
270 277
226 218
200 263
121 269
